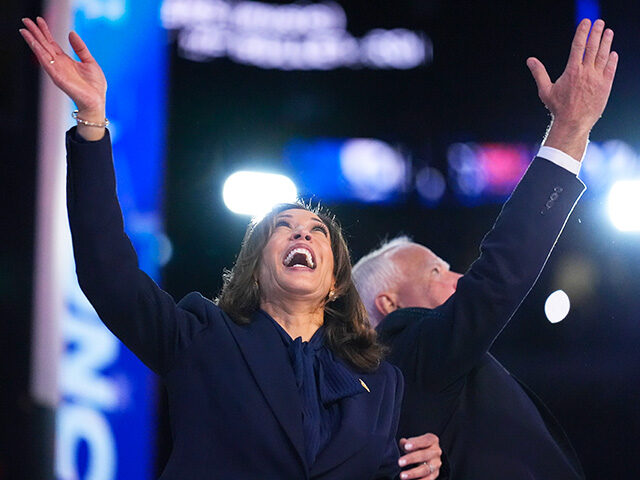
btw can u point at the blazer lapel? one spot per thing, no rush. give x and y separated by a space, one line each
352 436
260 345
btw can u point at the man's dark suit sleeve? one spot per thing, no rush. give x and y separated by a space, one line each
132 306
453 337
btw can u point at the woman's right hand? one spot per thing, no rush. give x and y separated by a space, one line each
83 81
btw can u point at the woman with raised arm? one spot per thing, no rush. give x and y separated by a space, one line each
281 377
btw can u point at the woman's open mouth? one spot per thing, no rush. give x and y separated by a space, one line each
299 257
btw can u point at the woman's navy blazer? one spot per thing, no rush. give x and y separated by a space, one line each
234 406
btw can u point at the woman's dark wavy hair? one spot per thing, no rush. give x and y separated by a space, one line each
347 330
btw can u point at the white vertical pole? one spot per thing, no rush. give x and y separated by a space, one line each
52 242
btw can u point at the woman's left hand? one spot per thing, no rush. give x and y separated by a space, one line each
423 457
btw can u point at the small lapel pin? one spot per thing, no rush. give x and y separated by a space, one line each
364 385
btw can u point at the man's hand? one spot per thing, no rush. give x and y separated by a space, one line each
577 99
423 457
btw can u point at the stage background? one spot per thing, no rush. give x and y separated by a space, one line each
224 116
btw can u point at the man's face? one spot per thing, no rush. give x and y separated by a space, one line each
427 280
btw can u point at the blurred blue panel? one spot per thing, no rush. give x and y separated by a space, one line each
587 9
358 169
315 168
105 422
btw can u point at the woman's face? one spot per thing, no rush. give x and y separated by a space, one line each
297 261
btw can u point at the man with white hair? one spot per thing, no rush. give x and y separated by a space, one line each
440 324
396 274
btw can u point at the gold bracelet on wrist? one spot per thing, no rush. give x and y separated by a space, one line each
86 123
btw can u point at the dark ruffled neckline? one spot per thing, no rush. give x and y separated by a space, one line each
321 379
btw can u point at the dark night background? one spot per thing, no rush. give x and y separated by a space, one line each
478 88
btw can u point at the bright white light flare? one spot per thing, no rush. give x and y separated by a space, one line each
623 202
373 168
256 193
557 306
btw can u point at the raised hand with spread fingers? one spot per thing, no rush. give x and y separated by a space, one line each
578 97
83 81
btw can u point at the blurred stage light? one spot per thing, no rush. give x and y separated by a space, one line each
294 36
503 164
607 162
256 193
431 185
399 48
578 275
557 306
165 249
624 198
467 177
354 169
373 168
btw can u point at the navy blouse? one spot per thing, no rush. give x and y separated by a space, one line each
322 380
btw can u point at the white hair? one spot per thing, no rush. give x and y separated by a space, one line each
375 272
